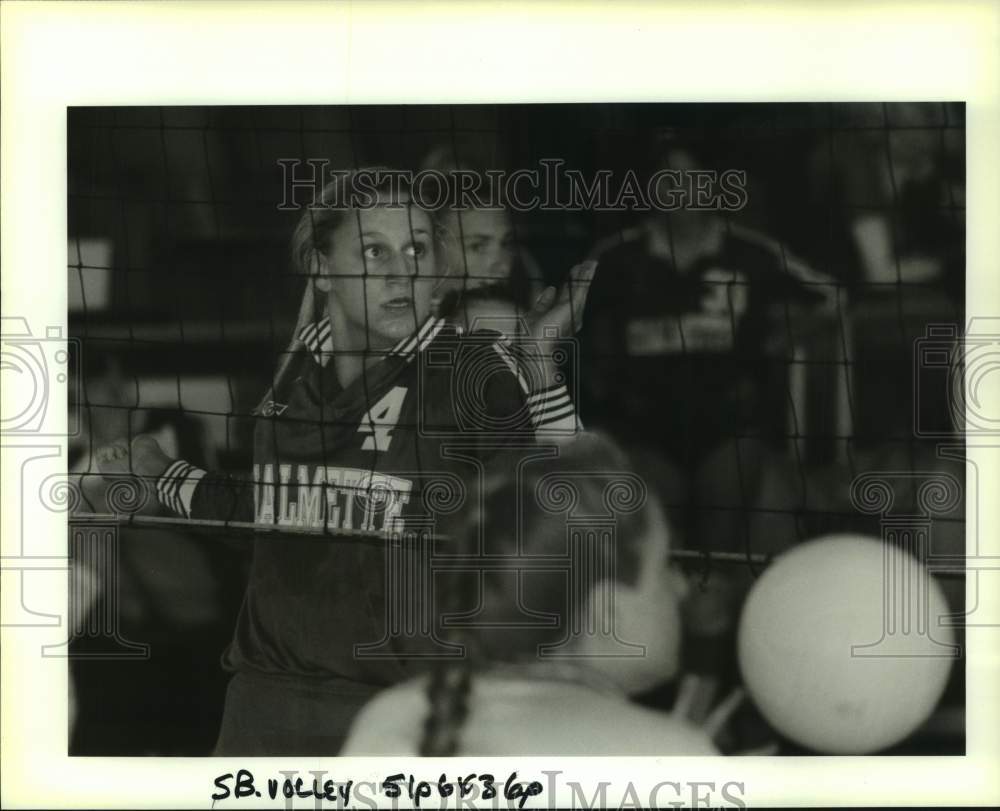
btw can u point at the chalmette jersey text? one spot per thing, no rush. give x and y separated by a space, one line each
391 453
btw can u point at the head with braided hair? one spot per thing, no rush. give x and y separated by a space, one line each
634 560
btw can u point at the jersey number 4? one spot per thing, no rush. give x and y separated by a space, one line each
381 419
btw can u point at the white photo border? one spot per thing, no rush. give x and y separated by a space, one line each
60 54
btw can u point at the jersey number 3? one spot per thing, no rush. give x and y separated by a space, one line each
381 419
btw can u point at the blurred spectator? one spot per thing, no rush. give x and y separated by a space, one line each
892 181
676 363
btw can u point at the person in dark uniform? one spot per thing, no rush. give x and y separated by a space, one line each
380 409
676 358
677 365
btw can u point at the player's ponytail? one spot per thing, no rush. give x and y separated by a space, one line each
451 682
448 698
588 466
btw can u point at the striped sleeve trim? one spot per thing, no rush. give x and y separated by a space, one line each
318 339
175 488
503 349
552 411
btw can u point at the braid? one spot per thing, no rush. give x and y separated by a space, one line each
448 694
450 683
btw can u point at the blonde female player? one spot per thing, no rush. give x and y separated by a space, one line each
480 241
502 697
346 440
493 282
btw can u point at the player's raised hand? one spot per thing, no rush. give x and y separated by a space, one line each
113 458
561 311
556 312
143 457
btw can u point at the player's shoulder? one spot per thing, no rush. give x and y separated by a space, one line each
298 377
618 245
653 732
450 342
296 394
768 254
481 354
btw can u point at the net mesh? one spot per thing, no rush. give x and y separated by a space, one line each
761 366
182 299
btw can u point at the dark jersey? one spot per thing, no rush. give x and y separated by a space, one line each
387 455
668 356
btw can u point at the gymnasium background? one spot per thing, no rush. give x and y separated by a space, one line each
181 296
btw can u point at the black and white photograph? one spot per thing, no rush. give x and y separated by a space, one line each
458 438
439 414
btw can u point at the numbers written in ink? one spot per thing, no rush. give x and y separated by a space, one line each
485 785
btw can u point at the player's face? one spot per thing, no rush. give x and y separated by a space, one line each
480 242
653 615
382 274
